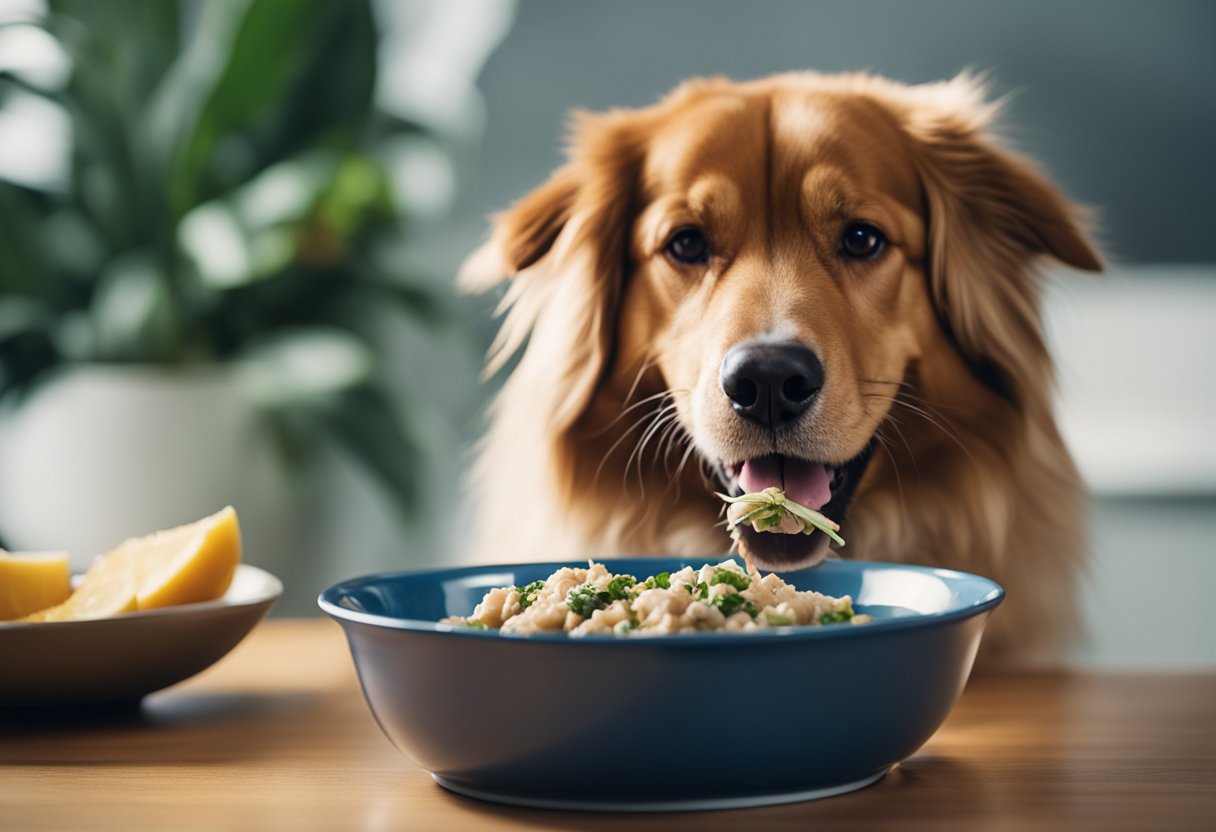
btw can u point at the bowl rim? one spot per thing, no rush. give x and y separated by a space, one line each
327 601
268 590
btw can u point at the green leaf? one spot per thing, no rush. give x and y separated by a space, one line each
119 51
730 577
620 585
25 359
731 604
22 265
299 366
22 315
659 581
133 317
836 617
296 69
527 594
586 599
103 32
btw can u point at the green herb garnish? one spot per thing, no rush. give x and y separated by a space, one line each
625 627
836 617
586 599
619 587
778 620
659 581
474 624
730 577
732 603
527 594
771 510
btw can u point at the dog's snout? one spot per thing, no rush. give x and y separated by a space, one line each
771 384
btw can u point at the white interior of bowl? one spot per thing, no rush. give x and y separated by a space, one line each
251 585
922 592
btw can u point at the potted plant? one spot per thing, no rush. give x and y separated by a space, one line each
196 301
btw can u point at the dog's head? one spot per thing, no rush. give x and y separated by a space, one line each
772 262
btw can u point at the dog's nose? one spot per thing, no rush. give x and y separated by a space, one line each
771 384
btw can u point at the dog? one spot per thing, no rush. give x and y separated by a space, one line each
827 283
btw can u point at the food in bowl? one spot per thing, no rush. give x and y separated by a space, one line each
530 720
594 601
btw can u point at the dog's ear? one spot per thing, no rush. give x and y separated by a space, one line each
991 217
565 248
523 234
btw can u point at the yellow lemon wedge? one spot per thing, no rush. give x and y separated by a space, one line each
32 581
108 588
183 565
187 564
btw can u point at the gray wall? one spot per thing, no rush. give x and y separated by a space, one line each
1114 98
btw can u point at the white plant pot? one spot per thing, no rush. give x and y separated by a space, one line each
101 453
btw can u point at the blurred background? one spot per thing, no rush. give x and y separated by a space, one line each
228 232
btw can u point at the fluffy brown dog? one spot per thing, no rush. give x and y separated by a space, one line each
820 282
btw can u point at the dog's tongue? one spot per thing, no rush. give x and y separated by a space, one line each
803 482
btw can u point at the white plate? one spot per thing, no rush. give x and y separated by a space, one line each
126 657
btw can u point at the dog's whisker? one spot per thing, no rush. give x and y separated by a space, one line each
624 412
673 433
893 420
646 365
653 422
936 419
625 435
899 483
655 430
908 395
688 451
672 437
665 413
643 419
908 447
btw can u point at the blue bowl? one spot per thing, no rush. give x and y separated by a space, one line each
678 722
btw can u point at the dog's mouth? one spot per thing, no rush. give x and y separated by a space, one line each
825 487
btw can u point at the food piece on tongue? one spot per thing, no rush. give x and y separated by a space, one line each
770 510
784 496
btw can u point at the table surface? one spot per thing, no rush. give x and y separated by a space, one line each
276 736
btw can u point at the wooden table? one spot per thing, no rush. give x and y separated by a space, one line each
277 736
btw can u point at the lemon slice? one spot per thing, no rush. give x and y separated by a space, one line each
108 588
187 564
184 565
32 581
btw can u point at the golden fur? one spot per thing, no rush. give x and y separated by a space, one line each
603 433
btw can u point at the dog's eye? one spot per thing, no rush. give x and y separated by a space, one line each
861 241
688 245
